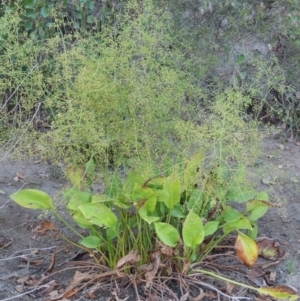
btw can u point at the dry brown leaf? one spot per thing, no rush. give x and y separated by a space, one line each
211 295
185 297
19 288
132 257
115 293
149 276
165 250
45 225
229 287
52 263
21 176
186 266
199 297
42 229
269 248
152 297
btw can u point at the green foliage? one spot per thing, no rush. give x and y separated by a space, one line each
157 209
39 17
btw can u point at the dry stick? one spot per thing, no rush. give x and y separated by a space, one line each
22 256
26 293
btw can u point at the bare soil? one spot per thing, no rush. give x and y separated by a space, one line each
26 250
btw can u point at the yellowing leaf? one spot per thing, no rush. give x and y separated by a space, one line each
246 249
280 292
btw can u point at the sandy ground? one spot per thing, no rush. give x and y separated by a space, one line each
25 251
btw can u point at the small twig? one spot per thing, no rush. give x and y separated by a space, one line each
29 292
30 249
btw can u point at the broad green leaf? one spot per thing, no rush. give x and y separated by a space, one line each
90 19
80 220
192 230
78 198
98 214
262 196
162 195
112 233
140 193
256 209
32 199
69 193
31 14
150 204
121 202
246 249
30 4
91 242
172 186
44 12
28 25
211 227
145 215
280 292
100 198
178 211
242 223
195 200
162 209
131 180
252 233
167 234
231 215
156 183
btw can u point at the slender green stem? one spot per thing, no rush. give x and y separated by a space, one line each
67 224
226 279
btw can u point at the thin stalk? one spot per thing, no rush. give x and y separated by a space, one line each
66 224
227 279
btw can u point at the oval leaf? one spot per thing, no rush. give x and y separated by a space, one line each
172 186
192 230
29 4
231 215
78 198
257 209
242 224
44 12
91 241
148 217
80 220
210 228
32 199
167 234
246 249
98 214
